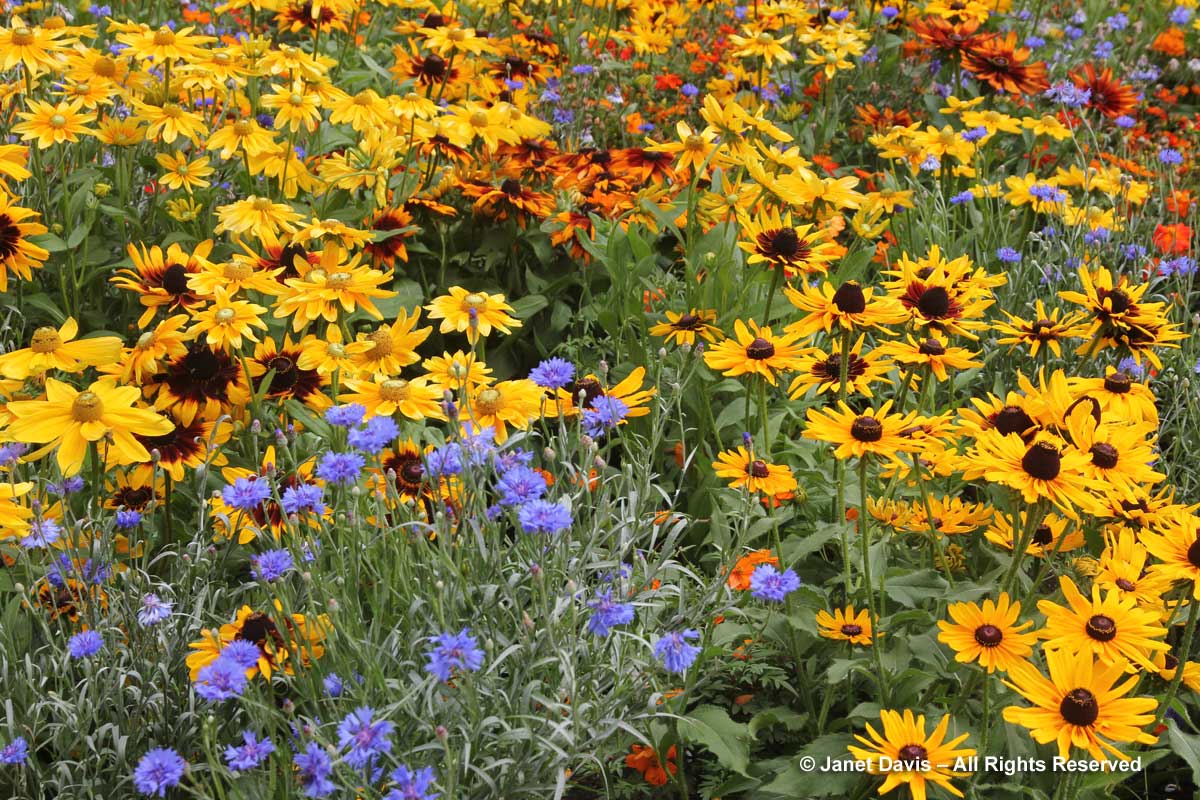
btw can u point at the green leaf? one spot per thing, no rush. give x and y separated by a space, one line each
729 741
42 302
777 715
529 305
914 588
50 242
1186 746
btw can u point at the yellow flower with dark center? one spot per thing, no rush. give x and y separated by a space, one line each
179 173
288 380
503 405
1121 454
685 328
300 639
183 448
948 516
824 371
754 351
1114 629
202 383
1123 567
1176 543
161 279
1120 317
931 352
849 307
415 399
845 625
873 431
742 468
1080 705
475 313
794 249
71 420
57 348
1044 330
1046 468
1051 536
18 255
454 371
917 758
989 634
583 392
53 124
225 323
392 347
1119 395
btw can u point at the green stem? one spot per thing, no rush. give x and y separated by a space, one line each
864 535
1185 650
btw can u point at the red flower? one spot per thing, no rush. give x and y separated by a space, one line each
645 761
1173 239
668 82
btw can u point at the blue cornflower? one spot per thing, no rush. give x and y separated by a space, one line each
1068 94
768 583
1034 42
674 651
1008 255
251 753
479 446
583 69
689 90
67 486
334 685
128 519
15 752
975 134
378 432
1073 32
1132 252
365 737
42 533
890 13
608 613
1131 367
241 652
1102 50
85 644
340 467
305 497
962 197
553 373
153 611
346 416
272 565
1098 236
315 767
606 413
158 770
1170 156
520 485
930 164
412 784
839 15
220 680
445 460
1180 15
1117 22
1177 266
563 116
1125 121
543 516
518 456
10 453
454 651
246 494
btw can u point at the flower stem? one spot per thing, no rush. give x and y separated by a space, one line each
1185 649
864 535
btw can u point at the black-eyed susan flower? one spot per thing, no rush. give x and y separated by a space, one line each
917 758
1054 534
760 43
824 371
226 323
989 634
792 249
583 393
415 399
14 160
849 307
1045 329
1120 453
289 381
874 431
18 253
391 228
183 448
930 352
48 125
328 353
741 468
169 121
473 313
948 516
1046 468
202 383
685 328
161 278
336 287
1080 705
503 405
456 370
754 351
163 44
1113 629
70 420
845 625
244 135
33 47
1124 567
1175 542
167 340
58 349
1119 395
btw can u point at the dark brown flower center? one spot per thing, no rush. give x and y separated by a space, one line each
783 243
1079 707
1012 419
849 298
988 635
1101 628
911 753
1104 455
1193 553
688 322
1042 461
511 187
866 429
591 389
852 630
175 280
1043 535
10 236
932 347
758 469
1118 383
1041 327
760 349
934 302
1125 585
1118 301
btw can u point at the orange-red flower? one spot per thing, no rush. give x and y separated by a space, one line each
739 576
1173 240
645 760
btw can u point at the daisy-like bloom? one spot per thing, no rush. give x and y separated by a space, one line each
258 216
876 431
234 276
14 159
391 226
289 381
1119 395
1123 568
998 62
849 307
824 371
225 323
755 351
629 391
272 649
500 405
917 758
244 135
71 420
164 44
407 462
169 121
1106 94
739 576
1176 543
761 44
741 468
988 634
692 149
48 124
35 48
1080 705
391 347
1120 317
1121 453
475 313
334 286
161 278
685 328
184 448
1114 629
948 516
137 364
845 625
331 231
458 370
118 132
1051 536
360 111
510 199
179 173
1046 468
296 107
57 348
1044 330
932 353
18 255
794 249
202 383
415 399
328 353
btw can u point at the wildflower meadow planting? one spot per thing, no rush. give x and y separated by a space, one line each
599 399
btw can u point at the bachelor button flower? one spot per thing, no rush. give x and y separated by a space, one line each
1169 156
1034 42
42 533
67 486
1096 237
1068 94
272 565
153 611
334 686
890 13
366 739
689 90
241 652
315 767
479 446
445 460
1182 266
15 752
251 753
346 416
542 516
583 69
975 134
607 613
674 651
1180 15
1047 193
930 164
839 15
378 432
340 467
768 583
412 784
10 453
518 456
962 197
1102 50
454 651
520 484
305 497
1125 121
85 644
1118 22
220 680
606 413
246 494
128 519
553 373
159 770
1008 255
